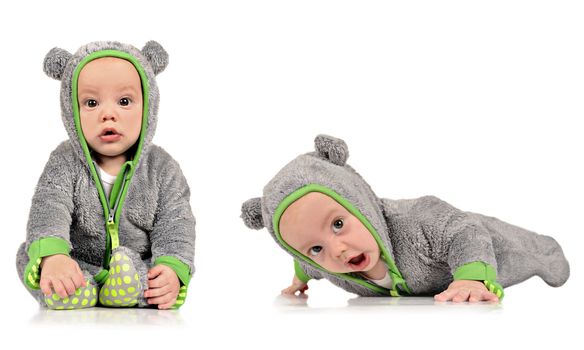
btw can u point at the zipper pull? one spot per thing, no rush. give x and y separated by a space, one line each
110 223
111 230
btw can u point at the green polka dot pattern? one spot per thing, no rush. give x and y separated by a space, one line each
84 297
33 276
182 296
122 287
495 288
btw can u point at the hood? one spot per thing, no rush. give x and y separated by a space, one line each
325 170
61 65
64 66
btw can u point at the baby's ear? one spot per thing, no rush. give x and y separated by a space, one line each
331 148
156 55
55 62
251 213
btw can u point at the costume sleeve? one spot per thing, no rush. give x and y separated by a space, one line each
305 272
173 233
50 215
459 239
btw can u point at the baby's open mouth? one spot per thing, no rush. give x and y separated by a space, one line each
108 132
358 262
109 135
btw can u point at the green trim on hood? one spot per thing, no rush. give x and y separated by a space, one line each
112 225
396 277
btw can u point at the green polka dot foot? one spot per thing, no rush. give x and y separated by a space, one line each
122 287
84 297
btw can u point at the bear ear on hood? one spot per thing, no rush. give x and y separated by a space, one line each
251 213
156 56
55 62
332 148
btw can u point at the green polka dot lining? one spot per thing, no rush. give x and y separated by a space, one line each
122 287
495 288
182 296
33 277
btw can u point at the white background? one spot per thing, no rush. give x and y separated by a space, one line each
478 103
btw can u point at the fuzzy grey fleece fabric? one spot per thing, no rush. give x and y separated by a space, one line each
428 238
156 218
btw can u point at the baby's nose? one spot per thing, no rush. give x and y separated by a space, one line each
108 114
339 248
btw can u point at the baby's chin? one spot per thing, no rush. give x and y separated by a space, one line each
109 151
103 155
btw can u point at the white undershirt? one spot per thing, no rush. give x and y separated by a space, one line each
385 282
107 181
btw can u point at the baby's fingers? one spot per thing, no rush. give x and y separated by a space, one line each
290 290
79 279
167 305
69 286
163 300
490 297
446 295
58 287
476 296
462 295
46 286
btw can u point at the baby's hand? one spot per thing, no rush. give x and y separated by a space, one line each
463 290
297 286
62 274
163 287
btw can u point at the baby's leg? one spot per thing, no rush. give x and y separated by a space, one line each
84 297
127 279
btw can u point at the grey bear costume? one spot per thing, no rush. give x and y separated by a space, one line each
425 242
146 220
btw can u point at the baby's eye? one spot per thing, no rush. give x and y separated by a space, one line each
315 250
124 101
91 103
337 225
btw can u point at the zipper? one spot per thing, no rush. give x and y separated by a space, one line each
111 225
112 237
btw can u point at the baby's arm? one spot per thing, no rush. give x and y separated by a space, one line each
458 239
62 274
50 215
173 234
300 280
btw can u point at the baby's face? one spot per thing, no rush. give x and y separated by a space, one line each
110 105
323 230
